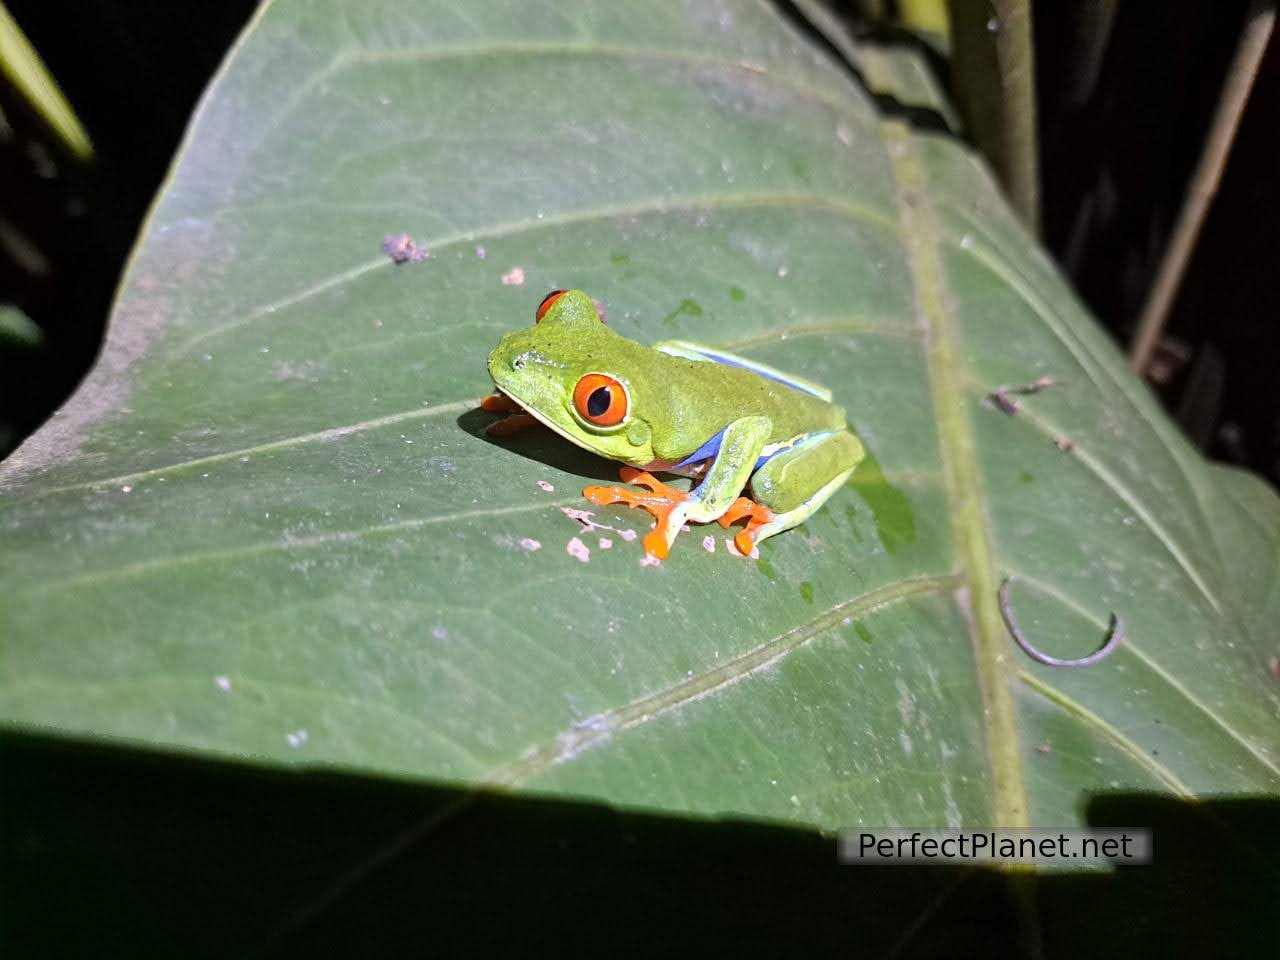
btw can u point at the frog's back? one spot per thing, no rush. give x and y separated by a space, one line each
705 396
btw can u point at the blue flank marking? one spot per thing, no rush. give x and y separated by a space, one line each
707 450
767 374
712 447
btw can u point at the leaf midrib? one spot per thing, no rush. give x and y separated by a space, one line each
956 443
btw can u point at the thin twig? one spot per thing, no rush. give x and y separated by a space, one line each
1000 395
1115 633
1204 183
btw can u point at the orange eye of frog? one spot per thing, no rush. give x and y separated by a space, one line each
546 303
601 400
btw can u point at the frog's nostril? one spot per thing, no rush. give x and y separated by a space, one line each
517 363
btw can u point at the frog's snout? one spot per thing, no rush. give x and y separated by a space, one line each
504 357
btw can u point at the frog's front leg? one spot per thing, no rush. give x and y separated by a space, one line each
740 446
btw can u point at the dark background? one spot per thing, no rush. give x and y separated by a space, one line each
1117 147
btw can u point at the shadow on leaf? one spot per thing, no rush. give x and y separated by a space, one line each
541 444
155 854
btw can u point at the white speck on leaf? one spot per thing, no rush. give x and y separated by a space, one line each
530 544
649 560
627 535
439 632
297 738
606 543
544 485
224 683
126 489
578 550
513 277
481 252
709 544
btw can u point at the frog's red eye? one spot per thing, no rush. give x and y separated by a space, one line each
601 400
546 303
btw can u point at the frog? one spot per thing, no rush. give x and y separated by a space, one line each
760 444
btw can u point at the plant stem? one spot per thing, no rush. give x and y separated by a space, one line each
1204 182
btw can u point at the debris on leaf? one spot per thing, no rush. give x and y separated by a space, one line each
544 485
1003 403
223 683
513 277
481 252
589 525
1000 396
1065 444
649 560
709 544
732 547
530 544
578 550
402 248
606 543
1044 748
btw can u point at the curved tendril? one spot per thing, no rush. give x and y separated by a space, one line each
1115 633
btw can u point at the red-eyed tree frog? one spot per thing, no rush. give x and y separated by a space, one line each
679 408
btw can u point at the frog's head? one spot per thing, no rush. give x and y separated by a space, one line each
577 376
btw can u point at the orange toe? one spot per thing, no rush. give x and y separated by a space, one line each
757 516
655 542
499 403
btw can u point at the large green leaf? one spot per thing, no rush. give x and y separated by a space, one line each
269 526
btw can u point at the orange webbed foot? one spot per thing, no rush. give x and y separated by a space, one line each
757 516
499 403
512 423
515 421
660 501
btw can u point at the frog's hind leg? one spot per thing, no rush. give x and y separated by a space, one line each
791 485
